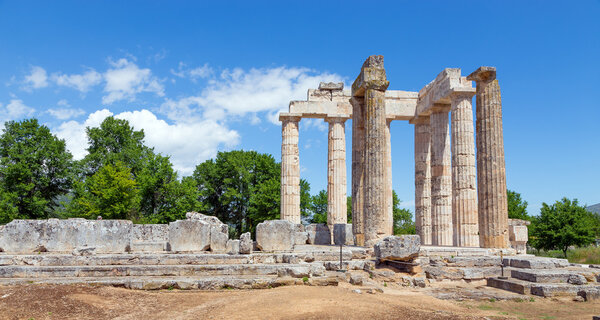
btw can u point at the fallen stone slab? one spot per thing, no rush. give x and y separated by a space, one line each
510 284
246 243
300 235
398 248
189 235
233 246
533 262
549 276
275 235
211 220
318 234
218 239
589 294
342 234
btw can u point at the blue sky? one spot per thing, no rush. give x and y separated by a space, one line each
205 76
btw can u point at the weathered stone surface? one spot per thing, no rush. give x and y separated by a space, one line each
342 234
399 248
423 179
218 240
331 86
26 236
535 262
290 169
233 246
275 235
336 171
149 237
84 251
441 179
420 282
246 243
549 276
318 234
212 220
189 235
300 236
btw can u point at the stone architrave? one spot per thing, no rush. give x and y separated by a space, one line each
423 179
441 177
336 172
464 191
491 170
388 181
372 84
290 168
358 154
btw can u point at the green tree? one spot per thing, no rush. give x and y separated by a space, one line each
318 207
562 225
111 193
403 222
349 208
517 207
34 171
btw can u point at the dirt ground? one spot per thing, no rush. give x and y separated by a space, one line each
293 302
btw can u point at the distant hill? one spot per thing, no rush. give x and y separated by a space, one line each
595 208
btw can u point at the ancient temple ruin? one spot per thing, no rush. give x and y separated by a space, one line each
460 190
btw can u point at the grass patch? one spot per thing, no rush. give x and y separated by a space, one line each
485 307
305 279
587 255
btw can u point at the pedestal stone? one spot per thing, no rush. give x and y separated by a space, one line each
464 192
491 171
441 178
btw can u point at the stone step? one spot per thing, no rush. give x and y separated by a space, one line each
510 284
533 262
56 259
192 282
550 276
460 273
588 292
292 270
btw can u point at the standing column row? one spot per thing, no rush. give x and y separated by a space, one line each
423 179
441 178
290 169
336 172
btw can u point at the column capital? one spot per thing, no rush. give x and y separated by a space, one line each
372 76
337 118
483 74
462 93
284 116
440 108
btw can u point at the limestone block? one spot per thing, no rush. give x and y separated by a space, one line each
233 246
212 220
189 235
149 237
342 234
300 235
400 248
218 239
275 235
246 243
318 234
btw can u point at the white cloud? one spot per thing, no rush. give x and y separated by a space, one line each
14 110
194 74
239 93
65 113
319 124
188 144
82 82
125 80
37 78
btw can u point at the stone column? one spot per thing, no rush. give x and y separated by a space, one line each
491 170
372 83
464 192
441 178
358 158
336 172
423 179
290 169
389 187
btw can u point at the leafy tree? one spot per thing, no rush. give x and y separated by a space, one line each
34 171
318 207
403 222
176 199
111 193
562 225
517 207
349 208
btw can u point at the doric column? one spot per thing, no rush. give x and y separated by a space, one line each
423 179
441 177
358 158
336 172
290 168
464 192
372 83
491 170
388 179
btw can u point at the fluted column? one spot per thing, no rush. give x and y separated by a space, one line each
336 172
441 178
464 192
372 83
491 170
423 179
358 159
290 169
389 187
